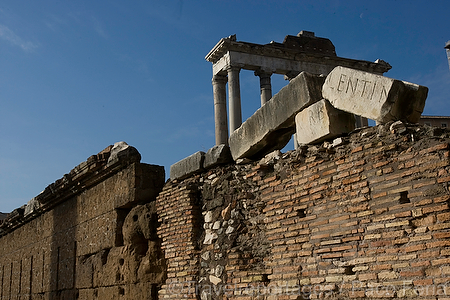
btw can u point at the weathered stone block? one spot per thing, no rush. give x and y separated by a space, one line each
123 152
413 103
271 126
96 234
187 166
87 294
217 155
374 96
32 207
321 121
85 272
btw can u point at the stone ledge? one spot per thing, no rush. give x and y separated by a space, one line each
372 96
88 173
199 161
187 166
217 155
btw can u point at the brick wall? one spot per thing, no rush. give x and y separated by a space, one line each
368 218
179 217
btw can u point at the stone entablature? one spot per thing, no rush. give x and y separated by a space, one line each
304 52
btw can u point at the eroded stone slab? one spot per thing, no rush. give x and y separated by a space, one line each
217 155
271 126
413 103
122 151
374 96
321 121
187 166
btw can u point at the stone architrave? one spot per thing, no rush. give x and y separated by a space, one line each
321 121
373 96
187 166
272 125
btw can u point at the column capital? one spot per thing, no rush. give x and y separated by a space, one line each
233 68
218 79
263 73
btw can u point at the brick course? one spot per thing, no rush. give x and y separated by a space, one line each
359 222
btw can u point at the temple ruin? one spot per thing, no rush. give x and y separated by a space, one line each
354 212
302 53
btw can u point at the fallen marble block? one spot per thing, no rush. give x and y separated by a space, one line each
271 126
321 121
373 96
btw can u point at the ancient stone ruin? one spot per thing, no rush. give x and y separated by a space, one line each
354 212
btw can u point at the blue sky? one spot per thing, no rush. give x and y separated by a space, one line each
77 76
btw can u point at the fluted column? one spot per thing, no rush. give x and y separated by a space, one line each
265 85
220 109
234 101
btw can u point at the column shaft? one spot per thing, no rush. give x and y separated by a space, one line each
220 109
234 101
265 85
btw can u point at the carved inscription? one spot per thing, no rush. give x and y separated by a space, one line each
363 94
361 87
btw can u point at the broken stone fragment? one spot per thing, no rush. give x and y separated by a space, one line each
397 127
218 270
214 280
413 102
206 255
217 155
321 121
121 151
270 158
32 207
208 217
216 225
210 237
373 96
229 230
226 212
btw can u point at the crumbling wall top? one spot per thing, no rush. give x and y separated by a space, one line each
95 169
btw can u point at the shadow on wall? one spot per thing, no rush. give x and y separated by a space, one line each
63 251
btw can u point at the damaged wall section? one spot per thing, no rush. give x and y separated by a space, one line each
90 235
364 217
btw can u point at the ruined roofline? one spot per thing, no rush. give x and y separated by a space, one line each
88 173
291 44
285 50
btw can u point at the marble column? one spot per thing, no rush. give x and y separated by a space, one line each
220 109
265 85
234 98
